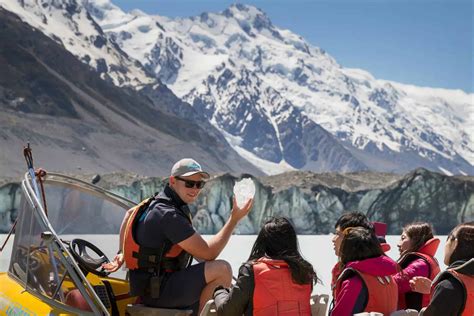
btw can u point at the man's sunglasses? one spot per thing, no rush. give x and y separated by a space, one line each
191 183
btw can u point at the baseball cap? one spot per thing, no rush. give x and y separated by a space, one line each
187 167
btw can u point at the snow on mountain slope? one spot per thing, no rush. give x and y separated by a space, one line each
398 125
69 23
450 111
271 94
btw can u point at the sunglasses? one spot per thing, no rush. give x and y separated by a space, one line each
191 183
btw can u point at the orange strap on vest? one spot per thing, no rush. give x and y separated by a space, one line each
468 284
130 246
132 250
275 292
382 291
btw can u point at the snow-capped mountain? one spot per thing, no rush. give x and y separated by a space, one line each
262 85
70 24
77 122
279 101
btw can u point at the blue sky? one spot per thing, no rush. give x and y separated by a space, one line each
420 42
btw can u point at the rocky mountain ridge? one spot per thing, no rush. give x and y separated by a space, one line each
312 201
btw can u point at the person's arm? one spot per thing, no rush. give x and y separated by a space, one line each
199 248
416 268
448 290
421 285
118 260
351 298
236 300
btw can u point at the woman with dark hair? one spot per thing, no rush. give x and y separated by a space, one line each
453 289
275 280
417 247
354 219
366 283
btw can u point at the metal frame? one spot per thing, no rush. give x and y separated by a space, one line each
65 257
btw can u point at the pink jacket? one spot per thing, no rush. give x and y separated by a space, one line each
350 298
417 267
420 263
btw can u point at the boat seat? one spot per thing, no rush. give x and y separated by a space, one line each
405 312
209 309
142 310
319 304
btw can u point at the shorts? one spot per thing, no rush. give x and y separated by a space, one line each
181 289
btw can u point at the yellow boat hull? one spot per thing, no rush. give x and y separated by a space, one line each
15 300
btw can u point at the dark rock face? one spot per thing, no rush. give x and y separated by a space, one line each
166 56
9 203
313 202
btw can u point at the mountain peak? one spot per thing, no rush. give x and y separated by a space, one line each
249 17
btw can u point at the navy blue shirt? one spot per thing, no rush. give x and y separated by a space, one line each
167 220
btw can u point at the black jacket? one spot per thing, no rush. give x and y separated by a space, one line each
238 300
449 295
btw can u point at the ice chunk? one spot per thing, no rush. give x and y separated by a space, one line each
244 190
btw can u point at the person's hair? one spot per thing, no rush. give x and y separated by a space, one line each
353 219
464 234
277 240
359 243
419 233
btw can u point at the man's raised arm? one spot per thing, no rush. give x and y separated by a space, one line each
209 250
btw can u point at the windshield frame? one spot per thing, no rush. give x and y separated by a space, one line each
55 245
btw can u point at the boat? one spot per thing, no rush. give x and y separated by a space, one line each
54 269
55 266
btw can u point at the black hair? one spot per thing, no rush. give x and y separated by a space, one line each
277 240
353 219
359 243
464 234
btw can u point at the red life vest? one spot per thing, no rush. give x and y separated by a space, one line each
427 253
467 282
276 293
138 257
335 273
382 291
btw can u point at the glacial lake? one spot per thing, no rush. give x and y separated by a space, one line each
317 249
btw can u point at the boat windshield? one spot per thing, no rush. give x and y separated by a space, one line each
40 258
39 262
73 210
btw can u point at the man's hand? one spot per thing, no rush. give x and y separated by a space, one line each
115 264
421 285
238 213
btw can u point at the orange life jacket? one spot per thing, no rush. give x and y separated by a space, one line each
467 282
382 291
275 292
139 257
427 253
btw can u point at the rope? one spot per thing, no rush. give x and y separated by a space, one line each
41 173
29 162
